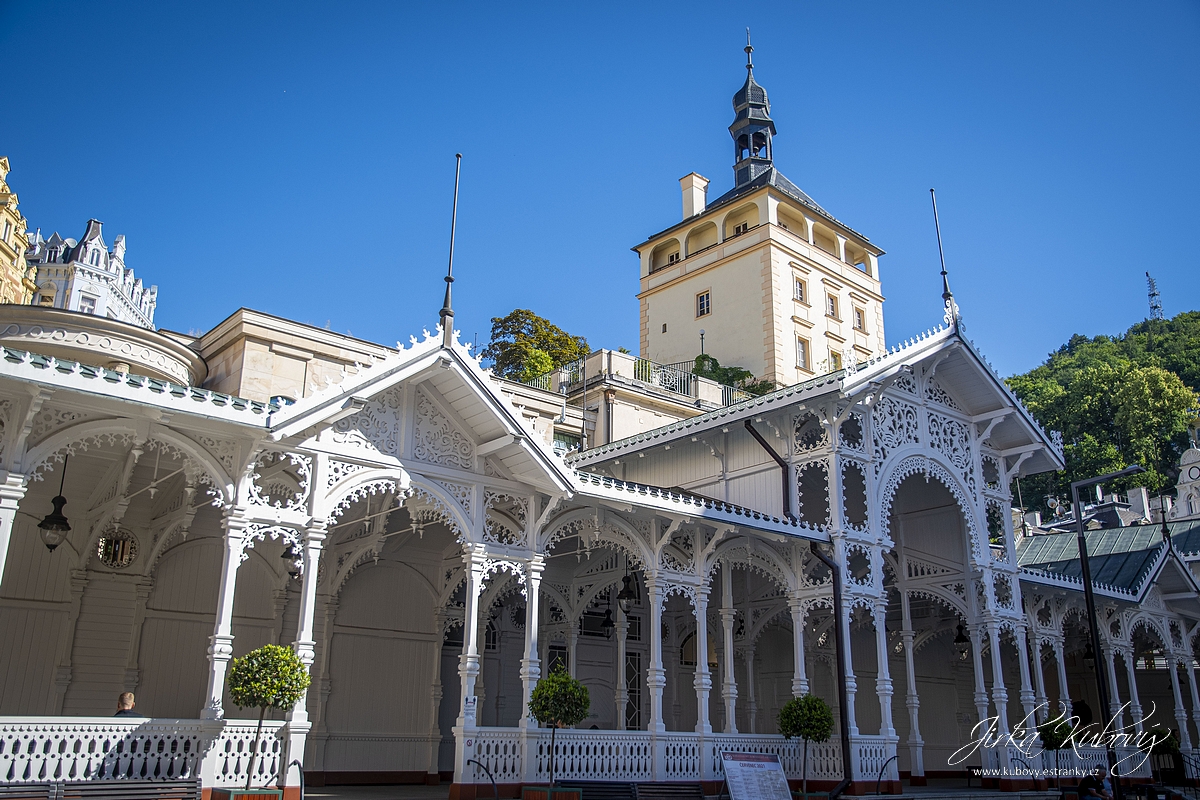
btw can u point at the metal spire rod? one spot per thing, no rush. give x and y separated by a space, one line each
447 313
946 295
749 48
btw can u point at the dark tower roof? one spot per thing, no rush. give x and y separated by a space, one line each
752 126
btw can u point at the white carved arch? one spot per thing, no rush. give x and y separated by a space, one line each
53 447
914 461
357 484
772 613
421 580
615 531
751 554
951 601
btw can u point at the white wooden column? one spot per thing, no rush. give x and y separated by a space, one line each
1114 696
1191 672
12 491
531 665
1039 681
1028 704
305 646
1135 705
999 693
883 677
573 648
220 647
980 697
912 701
621 685
1185 738
848 678
468 663
1064 694
435 700
729 690
703 680
799 671
752 704
656 676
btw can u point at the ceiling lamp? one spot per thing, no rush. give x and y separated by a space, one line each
961 643
55 526
607 625
627 595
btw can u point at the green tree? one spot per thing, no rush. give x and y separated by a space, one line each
522 342
1117 401
559 701
706 366
808 718
1054 735
269 677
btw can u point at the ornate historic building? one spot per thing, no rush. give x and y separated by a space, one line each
406 522
16 285
88 277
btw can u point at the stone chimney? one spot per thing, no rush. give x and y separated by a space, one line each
1139 502
695 194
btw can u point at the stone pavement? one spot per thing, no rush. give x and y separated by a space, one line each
378 792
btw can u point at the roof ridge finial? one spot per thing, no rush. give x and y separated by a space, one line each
951 316
447 313
749 48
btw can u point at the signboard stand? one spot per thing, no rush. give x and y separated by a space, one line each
755 776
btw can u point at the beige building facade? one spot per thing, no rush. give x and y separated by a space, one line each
15 283
773 282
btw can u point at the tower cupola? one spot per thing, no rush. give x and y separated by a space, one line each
752 127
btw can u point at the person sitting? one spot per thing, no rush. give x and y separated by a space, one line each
125 703
1096 786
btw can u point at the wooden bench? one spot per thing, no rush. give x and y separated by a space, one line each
130 790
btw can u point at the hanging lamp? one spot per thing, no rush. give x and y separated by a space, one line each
55 526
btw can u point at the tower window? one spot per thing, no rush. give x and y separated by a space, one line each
703 304
672 258
87 304
7 229
802 353
741 228
860 320
831 306
800 293
46 300
95 259
835 360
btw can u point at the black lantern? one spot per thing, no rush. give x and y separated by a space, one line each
627 595
607 625
961 643
1089 656
55 526
290 555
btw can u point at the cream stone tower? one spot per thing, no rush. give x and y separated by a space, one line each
16 285
776 284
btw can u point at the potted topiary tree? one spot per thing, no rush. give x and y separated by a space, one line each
1054 735
809 718
269 677
559 701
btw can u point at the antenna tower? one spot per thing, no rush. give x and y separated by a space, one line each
1156 311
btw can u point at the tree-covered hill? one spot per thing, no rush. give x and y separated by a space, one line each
1117 400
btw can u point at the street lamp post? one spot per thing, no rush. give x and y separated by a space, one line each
1090 598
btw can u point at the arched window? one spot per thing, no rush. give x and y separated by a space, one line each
95 259
687 652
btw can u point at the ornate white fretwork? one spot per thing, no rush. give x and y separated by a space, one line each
895 425
376 426
340 469
437 441
281 480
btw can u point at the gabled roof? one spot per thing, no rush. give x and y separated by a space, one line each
1125 562
959 360
461 384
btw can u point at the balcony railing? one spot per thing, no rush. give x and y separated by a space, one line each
676 379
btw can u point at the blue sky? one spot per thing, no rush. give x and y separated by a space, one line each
298 158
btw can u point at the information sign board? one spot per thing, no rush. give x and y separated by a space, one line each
755 776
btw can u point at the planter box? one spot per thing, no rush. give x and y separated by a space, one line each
238 794
546 793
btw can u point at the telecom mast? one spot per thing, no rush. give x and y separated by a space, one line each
1156 311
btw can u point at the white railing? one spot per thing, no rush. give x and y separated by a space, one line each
681 756
45 749
500 750
231 754
869 754
824 758
595 756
